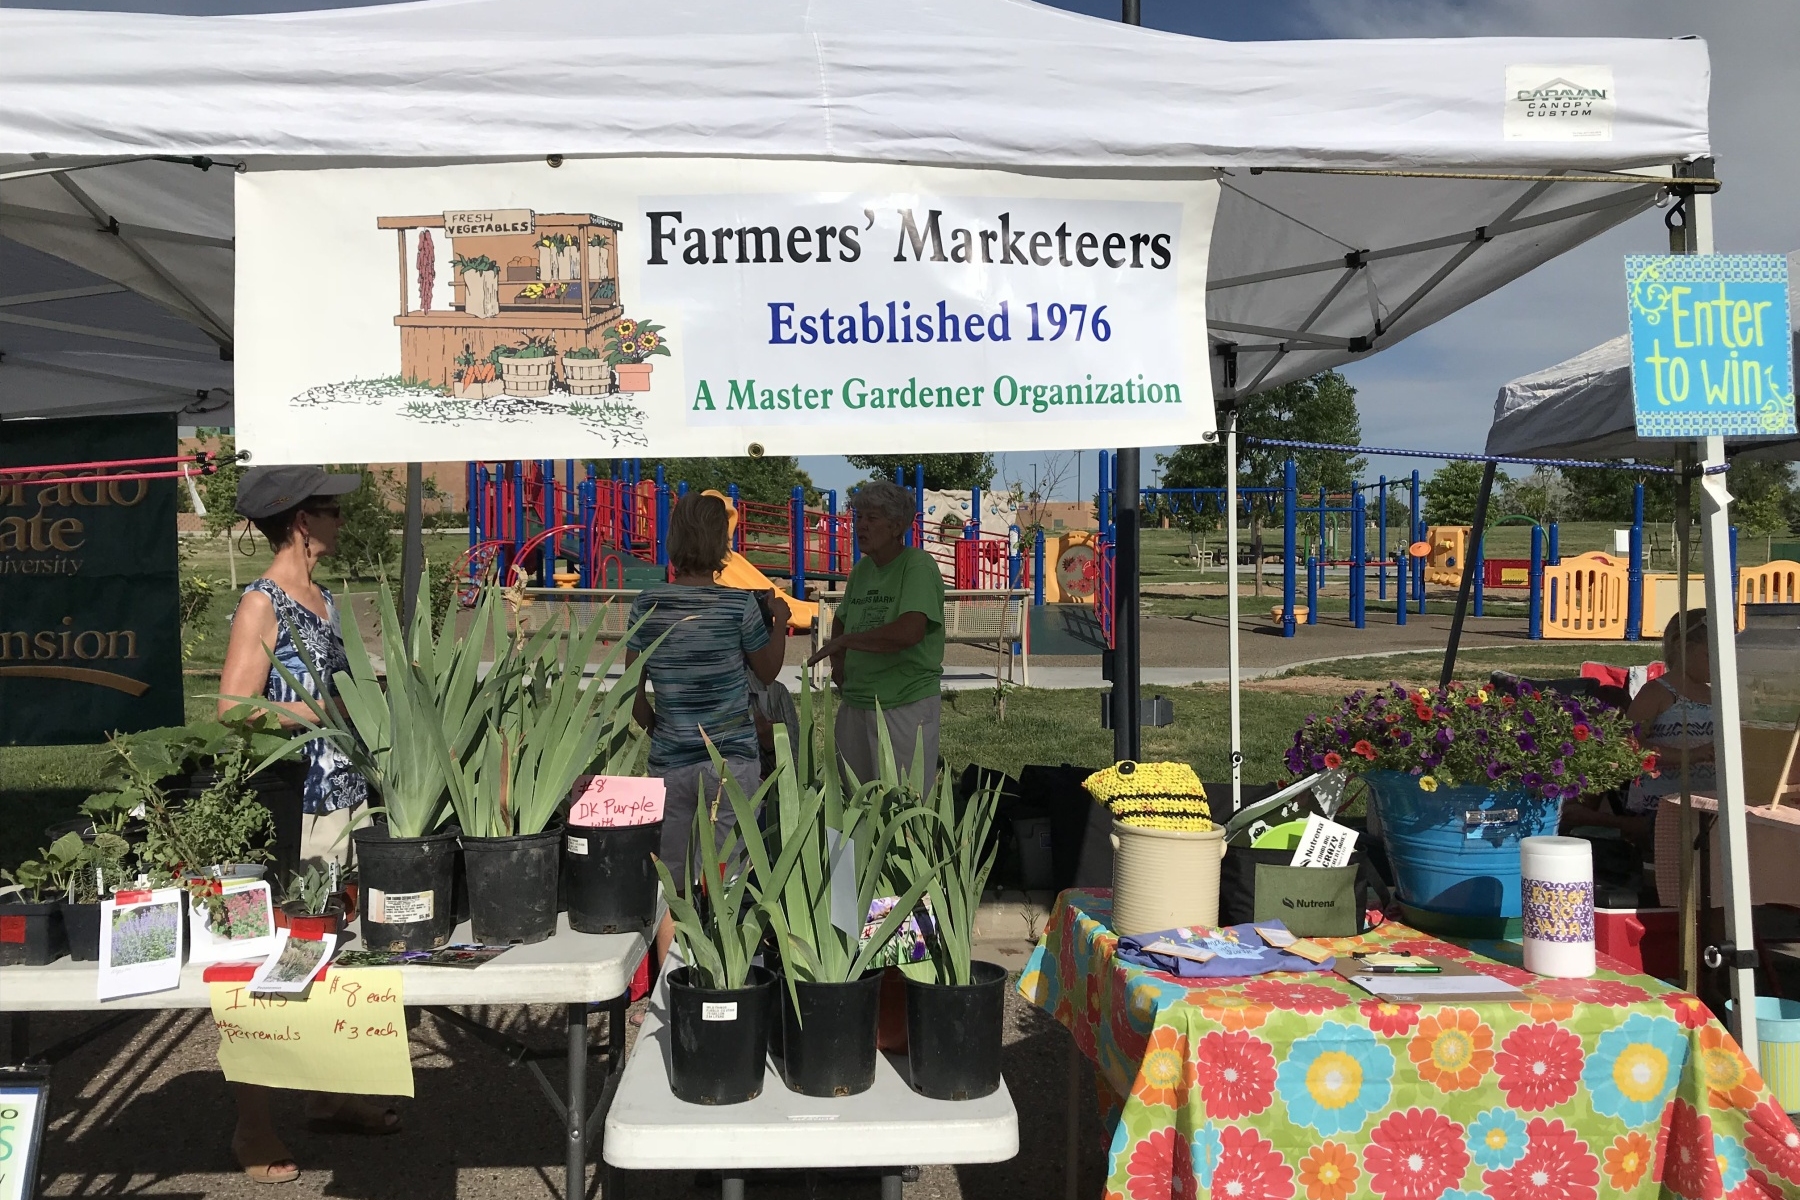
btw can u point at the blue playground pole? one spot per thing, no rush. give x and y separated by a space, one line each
737 540
1734 577
1534 622
918 491
1037 570
478 488
1014 557
662 518
1289 520
1312 591
1381 538
1104 498
1634 588
1480 574
584 496
797 522
1415 566
975 509
1553 556
1359 581
518 470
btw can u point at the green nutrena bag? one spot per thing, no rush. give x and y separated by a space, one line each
1310 901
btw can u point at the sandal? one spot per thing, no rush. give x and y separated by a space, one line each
264 1159
353 1114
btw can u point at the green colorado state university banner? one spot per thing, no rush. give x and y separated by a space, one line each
90 630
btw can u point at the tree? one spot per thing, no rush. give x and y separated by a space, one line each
943 472
366 546
1450 494
1320 409
218 491
1541 495
767 480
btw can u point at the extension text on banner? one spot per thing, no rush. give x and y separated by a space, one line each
727 307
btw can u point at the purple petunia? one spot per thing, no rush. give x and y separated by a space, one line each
1528 718
1444 736
1404 738
1496 769
1527 743
1568 748
1533 780
1556 766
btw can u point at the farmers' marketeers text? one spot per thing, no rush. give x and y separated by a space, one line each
1001 244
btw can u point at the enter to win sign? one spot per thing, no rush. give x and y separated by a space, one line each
348 1034
1711 345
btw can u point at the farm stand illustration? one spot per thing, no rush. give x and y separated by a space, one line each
532 296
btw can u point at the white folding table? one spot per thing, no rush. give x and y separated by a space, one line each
573 969
889 1127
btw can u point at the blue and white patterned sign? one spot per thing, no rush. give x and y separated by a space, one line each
1711 345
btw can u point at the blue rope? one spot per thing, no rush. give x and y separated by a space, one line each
1452 456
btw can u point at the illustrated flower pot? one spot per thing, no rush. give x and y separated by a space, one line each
527 376
512 886
633 377
719 1038
953 1034
481 293
587 376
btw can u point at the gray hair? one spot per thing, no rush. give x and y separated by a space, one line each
880 498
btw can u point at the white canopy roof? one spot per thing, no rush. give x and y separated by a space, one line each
1307 270
1582 408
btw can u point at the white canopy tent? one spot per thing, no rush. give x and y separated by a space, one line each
1369 188
1581 408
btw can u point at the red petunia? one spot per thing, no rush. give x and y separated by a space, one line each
1686 1162
1690 1011
1517 976
1234 1074
1365 749
1581 733
1250 1168
1413 1155
1609 992
1333 760
1308 999
1772 1140
1539 1066
1389 1019
1152 1165
1556 1165
1430 948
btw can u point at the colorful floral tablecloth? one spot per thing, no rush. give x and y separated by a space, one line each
1285 1087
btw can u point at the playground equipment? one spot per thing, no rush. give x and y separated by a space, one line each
592 532
740 572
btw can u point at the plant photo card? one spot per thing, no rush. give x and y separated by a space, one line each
140 942
293 964
238 926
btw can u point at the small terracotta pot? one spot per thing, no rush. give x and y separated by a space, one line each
633 377
311 926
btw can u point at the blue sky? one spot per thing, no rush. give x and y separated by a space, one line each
1444 379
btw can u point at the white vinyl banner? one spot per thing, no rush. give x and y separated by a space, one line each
715 307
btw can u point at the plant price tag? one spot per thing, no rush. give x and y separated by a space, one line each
725 1011
611 801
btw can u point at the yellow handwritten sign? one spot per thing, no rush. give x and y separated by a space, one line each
347 1035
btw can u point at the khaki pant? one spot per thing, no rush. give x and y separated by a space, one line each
859 739
325 838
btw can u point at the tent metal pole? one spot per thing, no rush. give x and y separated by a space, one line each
1738 955
1470 564
1687 900
1127 502
412 546
1233 667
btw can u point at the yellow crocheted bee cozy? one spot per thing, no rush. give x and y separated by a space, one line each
1152 796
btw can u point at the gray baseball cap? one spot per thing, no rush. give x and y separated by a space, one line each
265 491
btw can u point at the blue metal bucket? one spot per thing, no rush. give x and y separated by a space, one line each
1456 850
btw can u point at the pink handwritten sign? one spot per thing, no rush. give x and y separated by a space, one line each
608 801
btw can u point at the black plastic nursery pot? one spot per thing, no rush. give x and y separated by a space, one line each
718 1037
81 925
608 880
31 935
405 886
953 1035
828 1038
512 885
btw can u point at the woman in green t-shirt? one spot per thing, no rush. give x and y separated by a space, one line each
887 639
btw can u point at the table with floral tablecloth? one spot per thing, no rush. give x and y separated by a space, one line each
1305 1087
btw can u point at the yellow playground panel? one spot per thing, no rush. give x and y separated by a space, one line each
1072 567
1585 596
1449 550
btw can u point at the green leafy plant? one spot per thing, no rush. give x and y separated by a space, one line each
548 728
41 879
951 853
631 342
825 829
540 346
312 890
597 239
408 734
480 262
582 353
94 867
718 924
556 241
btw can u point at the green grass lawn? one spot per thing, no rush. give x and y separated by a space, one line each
1556 660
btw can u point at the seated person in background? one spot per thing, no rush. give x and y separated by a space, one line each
1671 713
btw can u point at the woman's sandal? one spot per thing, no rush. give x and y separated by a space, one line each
353 1114
264 1159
